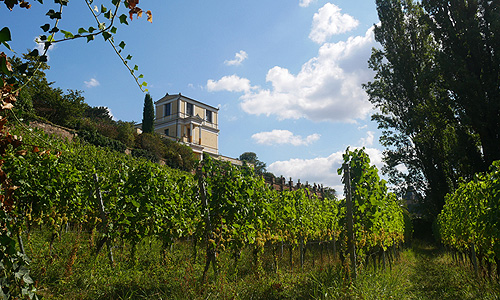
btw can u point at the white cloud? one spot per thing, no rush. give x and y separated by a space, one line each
238 59
305 3
327 88
368 140
284 137
329 21
92 83
321 170
110 113
40 46
231 83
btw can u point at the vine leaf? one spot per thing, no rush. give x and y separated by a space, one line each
5 37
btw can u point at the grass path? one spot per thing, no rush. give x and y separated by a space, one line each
434 275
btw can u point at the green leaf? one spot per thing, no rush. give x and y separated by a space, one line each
91 29
5 35
123 19
45 27
90 38
103 9
53 15
113 29
82 30
67 34
135 203
136 68
108 15
3 66
122 44
129 57
106 35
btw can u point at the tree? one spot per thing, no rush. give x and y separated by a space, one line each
148 115
98 113
28 72
468 33
420 129
250 157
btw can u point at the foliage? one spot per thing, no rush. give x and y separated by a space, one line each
172 153
59 108
468 57
418 114
470 216
98 139
148 115
250 157
378 217
15 280
98 113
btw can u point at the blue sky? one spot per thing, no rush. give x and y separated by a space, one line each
286 74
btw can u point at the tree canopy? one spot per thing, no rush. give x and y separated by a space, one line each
423 87
251 157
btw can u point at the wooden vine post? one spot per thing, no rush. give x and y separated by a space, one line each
349 219
104 219
211 251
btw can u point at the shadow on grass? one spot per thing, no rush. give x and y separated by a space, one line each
436 276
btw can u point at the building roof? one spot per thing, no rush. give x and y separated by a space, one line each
168 97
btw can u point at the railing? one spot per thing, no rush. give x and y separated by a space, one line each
185 116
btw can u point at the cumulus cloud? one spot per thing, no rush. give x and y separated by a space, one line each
329 21
92 83
327 88
40 46
238 59
368 140
305 3
232 83
321 170
284 137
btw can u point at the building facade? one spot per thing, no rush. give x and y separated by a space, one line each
188 121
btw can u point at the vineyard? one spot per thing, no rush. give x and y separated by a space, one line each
223 210
469 223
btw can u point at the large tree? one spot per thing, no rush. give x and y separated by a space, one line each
420 128
251 157
468 34
148 115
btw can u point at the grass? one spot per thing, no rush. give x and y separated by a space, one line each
72 271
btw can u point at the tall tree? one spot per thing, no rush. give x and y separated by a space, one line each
251 157
468 33
148 115
420 130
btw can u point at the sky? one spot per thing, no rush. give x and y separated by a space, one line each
286 75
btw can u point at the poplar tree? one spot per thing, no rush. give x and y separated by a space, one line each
417 113
148 115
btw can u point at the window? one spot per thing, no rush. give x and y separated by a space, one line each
166 132
208 116
189 109
168 109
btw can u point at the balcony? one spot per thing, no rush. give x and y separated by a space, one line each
185 120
